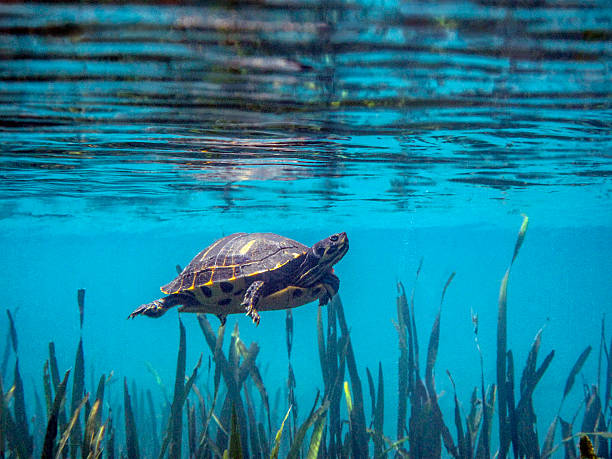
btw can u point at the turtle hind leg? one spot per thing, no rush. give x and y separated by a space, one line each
155 309
251 297
159 307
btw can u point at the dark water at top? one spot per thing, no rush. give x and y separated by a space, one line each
283 108
133 136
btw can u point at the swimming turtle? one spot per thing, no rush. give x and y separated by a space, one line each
251 272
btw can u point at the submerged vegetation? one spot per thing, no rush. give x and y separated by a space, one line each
234 418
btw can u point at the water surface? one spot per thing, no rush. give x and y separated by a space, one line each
386 110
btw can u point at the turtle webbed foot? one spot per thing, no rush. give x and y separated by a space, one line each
331 285
326 297
153 309
251 297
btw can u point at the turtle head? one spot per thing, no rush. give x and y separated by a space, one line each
330 250
322 256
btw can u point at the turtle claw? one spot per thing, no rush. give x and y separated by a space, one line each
253 314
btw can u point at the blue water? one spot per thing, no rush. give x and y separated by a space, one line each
134 136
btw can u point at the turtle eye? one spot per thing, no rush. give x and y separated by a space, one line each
334 238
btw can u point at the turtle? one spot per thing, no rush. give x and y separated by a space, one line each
251 272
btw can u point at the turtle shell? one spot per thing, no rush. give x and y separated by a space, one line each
229 261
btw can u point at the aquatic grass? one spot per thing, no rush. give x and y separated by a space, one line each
289 330
263 440
234 374
408 367
252 422
512 408
10 344
175 427
313 418
594 419
47 388
377 396
78 389
62 417
472 422
566 432
93 431
334 360
523 419
53 419
568 441
461 437
372 394
334 356
249 356
173 436
349 399
191 429
69 428
235 448
379 415
426 427
484 438
81 304
547 447
110 440
278 436
291 400
317 436
291 383
359 438
406 359
6 355
7 426
502 398
12 332
131 436
321 347
5 419
608 384
432 353
153 417
21 429
412 331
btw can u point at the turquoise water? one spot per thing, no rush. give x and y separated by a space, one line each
134 136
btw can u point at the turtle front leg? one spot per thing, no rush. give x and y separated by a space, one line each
331 282
251 297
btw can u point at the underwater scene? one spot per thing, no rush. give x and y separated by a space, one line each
380 228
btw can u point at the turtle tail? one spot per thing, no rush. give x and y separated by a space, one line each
155 309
